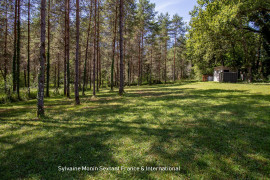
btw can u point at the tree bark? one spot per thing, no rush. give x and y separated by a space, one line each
14 68
5 51
133 73
77 99
67 51
58 72
28 51
18 49
100 69
90 71
113 47
25 78
128 72
117 79
94 58
65 54
97 46
99 53
165 68
86 50
129 65
48 52
121 87
174 59
151 64
139 63
141 67
40 105
55 75
159 64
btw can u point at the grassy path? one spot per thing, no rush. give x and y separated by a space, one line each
210 130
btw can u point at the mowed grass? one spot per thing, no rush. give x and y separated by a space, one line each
211 130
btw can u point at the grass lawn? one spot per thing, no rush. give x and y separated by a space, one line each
210 130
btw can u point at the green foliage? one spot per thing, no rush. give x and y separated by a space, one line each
145 14
177 26
229 33
164 23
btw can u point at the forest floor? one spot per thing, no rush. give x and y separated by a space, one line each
211 130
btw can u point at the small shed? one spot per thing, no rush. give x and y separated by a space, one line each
207 78
225 74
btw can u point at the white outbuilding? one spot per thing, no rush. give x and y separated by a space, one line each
225 74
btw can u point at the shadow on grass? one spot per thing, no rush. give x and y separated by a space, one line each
217 134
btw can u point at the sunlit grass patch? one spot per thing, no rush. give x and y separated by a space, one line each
211 130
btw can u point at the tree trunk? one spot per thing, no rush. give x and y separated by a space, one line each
139 63
55 75
40 111
128 72
133 73
5 51
98 63
77 99
113 46
80 57
151 64
124 48
15 48
58 72
159 64
94 58
121 87
48 52
90 72
174 59
129 65
165 68
68 68
100 76
28 51
25 78
117 65
97 66
141 67
86 50
18 49
65 55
